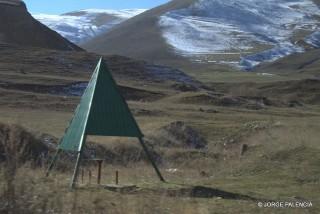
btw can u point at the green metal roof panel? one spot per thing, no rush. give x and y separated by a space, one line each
75 133
102 111
110 114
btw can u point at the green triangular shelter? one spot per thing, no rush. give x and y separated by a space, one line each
102 111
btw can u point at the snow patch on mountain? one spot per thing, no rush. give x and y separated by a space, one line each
125 13
80 26
314 39
266 28
270 55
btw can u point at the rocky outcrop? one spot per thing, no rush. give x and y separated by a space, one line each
179 135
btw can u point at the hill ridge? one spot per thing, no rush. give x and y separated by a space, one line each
18 27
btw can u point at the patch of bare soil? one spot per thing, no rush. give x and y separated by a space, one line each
178 134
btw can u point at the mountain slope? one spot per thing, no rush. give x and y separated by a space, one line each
237 32
307 63
139 37
80 26
18 27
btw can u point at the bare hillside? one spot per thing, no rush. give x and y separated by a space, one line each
18 27
140 28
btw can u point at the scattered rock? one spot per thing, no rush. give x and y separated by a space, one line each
172 170
244 149
257 125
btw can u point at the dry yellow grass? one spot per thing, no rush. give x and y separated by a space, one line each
281 162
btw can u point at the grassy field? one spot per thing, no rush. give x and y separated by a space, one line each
280 161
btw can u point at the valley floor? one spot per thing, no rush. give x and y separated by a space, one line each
264 148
